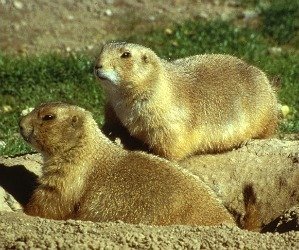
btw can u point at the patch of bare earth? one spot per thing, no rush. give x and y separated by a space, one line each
37 26
271 166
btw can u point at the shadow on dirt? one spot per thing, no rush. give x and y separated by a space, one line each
283 224
18 181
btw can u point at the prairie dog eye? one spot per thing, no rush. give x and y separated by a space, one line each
48 117
126 55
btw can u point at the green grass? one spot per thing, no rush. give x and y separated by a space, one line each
28 81
281 21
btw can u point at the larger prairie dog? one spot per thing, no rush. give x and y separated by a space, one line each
203 103
88 177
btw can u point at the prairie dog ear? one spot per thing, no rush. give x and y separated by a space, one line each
145 58
76 121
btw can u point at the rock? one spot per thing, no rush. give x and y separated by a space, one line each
12 203
108 12
3 203
152 18
168 31
89 47
275 50
6 108
70 17
18 5
174 43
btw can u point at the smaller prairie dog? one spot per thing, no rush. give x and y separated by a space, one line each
199 104
88 177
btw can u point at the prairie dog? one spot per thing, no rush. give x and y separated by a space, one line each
199 104
88 177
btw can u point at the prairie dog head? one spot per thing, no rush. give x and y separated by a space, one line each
126 66
54 127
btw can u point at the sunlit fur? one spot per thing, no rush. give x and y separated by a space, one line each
88 177
203 103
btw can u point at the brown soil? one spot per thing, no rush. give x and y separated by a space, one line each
272 166
24 232
37 26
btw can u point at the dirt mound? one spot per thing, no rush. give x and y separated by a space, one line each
271 166
18 231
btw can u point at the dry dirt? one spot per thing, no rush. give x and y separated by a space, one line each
37 26
271 166
24 232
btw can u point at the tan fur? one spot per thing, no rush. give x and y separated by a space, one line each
204 103
86 176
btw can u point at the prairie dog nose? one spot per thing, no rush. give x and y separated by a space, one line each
98 66
26 129
98 71
21 125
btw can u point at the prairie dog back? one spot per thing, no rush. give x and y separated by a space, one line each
87 177
203 103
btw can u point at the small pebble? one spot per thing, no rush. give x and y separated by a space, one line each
18 5
70 17
89 47
108 12
117 141
168 31
152 18
275 50
175 43
6 108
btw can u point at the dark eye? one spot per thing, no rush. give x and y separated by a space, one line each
48 117
126 55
